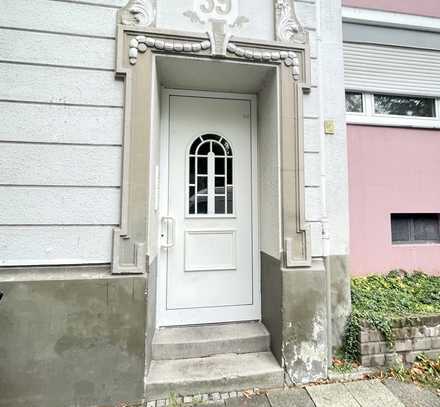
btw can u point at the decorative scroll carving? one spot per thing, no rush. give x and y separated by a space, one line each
142 43
289 58
138 12
288 26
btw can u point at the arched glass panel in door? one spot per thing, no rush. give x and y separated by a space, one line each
210 178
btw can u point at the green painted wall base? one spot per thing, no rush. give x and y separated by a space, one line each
77 342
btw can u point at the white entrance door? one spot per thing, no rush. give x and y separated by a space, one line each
209 260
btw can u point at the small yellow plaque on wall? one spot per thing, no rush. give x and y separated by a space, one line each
329 126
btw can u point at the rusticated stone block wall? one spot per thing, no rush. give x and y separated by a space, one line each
413 336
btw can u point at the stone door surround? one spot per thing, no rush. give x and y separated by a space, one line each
137 46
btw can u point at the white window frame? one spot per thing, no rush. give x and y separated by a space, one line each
370 118
210 196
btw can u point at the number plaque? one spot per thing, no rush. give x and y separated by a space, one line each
226 10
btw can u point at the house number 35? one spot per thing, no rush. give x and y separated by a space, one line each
222 7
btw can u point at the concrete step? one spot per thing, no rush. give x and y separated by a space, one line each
218 373
207 340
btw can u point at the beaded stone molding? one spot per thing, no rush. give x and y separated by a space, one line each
142 43
288 57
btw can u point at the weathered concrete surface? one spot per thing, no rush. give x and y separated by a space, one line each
271 301
305 323
295 397
151 313
218 373
412 396
72 343
359 373
207 340
340 297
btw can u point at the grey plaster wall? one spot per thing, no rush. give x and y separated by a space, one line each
332 99
340 297
72 343
268 165
61 131
271 301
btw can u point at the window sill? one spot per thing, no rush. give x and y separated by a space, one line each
383 121
413 244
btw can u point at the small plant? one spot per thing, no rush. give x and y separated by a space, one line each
343 366
424 371
377 300
173 401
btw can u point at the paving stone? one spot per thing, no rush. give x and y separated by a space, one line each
422 344
436 343
364 336
375 336
412 396
332 395
403 345
393 359
373 348
372 393
290 398
255 401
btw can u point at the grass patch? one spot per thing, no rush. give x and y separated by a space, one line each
380 299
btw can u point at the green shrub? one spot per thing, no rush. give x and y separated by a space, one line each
377 300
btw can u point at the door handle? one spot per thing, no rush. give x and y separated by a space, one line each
169 224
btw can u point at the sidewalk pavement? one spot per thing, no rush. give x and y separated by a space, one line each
367 393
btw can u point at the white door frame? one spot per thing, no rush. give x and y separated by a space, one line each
163 197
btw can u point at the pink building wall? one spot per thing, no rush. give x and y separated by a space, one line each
418 7
391 170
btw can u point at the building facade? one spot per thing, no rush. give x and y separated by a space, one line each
164 164
173 169
391 74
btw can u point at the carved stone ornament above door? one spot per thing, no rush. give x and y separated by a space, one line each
139 43
219 18
138 12
288 26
